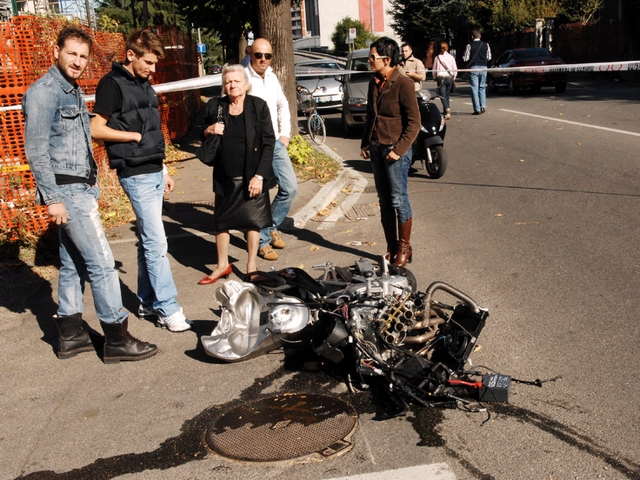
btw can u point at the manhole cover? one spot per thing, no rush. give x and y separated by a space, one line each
284 427
362 211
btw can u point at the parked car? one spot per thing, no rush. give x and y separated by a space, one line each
355 85
214 69
328 88
526 57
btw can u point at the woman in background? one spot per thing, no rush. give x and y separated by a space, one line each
445 71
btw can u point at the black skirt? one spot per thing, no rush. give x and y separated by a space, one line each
236 211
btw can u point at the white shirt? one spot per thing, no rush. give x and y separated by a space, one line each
269 89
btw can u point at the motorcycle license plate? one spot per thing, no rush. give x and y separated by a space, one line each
325 99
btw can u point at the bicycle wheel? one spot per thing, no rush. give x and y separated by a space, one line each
316 128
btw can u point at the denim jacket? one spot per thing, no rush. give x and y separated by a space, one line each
57 135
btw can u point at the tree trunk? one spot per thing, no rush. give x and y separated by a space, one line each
275 26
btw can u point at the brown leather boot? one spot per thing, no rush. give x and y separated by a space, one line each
404 247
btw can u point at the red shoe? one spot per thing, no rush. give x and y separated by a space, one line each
209 280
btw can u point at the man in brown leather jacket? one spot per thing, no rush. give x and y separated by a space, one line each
392 125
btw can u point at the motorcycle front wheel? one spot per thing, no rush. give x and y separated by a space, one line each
438 164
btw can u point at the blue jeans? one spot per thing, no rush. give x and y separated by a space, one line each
391 179
287 191
156 288
478 81
85 255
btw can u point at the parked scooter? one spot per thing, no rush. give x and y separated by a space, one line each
429 146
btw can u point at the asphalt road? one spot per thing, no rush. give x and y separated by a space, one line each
536 219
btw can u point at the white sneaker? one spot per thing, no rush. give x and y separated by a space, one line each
147 313
176 322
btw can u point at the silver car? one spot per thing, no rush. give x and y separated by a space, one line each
355 86
326 89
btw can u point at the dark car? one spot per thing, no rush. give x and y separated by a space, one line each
355 86
214 69
526 57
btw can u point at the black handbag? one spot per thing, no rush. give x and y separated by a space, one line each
211 146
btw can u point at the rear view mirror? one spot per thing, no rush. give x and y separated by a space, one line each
339 78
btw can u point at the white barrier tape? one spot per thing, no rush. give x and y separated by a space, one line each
631 65
180 85
213 80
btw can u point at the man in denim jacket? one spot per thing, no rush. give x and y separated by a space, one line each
58 148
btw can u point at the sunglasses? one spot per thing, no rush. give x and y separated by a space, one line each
373 57
259 55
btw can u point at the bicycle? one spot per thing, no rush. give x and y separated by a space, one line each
309 107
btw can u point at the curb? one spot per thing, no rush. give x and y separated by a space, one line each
328 192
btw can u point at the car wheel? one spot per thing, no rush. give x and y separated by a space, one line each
561 87
536 88
492 86
347 128
513 88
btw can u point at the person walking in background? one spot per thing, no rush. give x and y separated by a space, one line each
58 148
242 171
127 120
412 67
445 72
477 55
392 125
265 85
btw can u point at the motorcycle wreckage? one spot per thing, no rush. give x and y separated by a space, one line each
398 342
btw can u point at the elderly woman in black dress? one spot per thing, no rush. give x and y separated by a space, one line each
242 172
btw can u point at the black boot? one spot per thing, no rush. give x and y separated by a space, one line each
73 338
121 346
391 236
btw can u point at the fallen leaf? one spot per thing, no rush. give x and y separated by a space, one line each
579 143
527 223
498 215
313 248
349 231
301 267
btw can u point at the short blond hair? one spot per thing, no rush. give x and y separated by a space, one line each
228 68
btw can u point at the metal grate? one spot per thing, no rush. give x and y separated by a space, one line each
362 211
284 427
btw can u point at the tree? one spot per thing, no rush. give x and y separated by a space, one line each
227 19
114 15
274 20
583 11
341 33
500 16
418 21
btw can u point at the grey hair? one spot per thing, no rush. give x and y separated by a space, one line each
227 68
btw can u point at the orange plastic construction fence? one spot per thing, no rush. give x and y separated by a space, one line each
26 53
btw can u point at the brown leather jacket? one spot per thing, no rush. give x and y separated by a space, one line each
394 112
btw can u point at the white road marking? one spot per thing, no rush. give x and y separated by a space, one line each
435 471
615 130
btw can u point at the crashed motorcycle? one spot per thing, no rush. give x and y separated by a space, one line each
401 344
428 148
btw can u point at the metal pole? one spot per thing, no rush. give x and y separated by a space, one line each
371 12
201 66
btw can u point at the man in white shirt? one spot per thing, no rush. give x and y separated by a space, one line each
265 84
